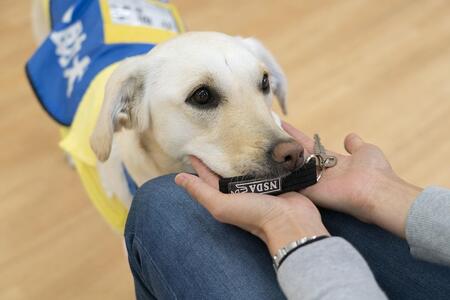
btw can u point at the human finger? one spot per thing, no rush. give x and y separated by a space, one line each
302 138
204 172
200 190
353 142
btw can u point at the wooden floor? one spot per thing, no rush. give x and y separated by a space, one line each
379 68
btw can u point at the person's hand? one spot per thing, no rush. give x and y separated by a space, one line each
362 184
276 220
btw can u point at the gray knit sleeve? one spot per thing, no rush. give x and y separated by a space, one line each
328 269
428 226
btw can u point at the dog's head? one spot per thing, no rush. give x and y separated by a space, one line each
204 94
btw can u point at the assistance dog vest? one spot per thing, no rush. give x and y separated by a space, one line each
69 71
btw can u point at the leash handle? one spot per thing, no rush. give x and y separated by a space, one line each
297 180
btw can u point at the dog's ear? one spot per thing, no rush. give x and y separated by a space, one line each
122 105
278 79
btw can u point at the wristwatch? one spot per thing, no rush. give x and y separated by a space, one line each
284 252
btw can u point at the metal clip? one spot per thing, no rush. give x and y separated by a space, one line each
320 164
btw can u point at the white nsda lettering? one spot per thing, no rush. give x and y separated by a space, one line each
256 187
274 185
260 187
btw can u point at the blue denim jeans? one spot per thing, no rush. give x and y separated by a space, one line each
178 251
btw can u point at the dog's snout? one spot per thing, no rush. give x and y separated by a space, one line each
288 154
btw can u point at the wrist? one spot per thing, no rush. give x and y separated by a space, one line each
281 231
390 203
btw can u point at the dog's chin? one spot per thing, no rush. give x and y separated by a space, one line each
267 170
256 170
272 173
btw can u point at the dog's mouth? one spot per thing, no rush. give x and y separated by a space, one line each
269 167
266 168
272 169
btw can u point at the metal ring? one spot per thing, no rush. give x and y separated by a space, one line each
319 165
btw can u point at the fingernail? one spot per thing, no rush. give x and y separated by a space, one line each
181 178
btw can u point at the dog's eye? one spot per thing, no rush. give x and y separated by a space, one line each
203 97
265 84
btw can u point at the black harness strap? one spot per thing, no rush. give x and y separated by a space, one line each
297 180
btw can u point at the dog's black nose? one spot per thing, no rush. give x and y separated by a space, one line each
289 155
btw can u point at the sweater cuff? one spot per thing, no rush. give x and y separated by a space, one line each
328 269
427 226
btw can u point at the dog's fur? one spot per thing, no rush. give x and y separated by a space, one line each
147 124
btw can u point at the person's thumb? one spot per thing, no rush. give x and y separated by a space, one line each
198 189
353 142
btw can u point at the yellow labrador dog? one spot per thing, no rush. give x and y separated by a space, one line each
205 94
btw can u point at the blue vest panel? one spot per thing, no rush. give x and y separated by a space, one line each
62 68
